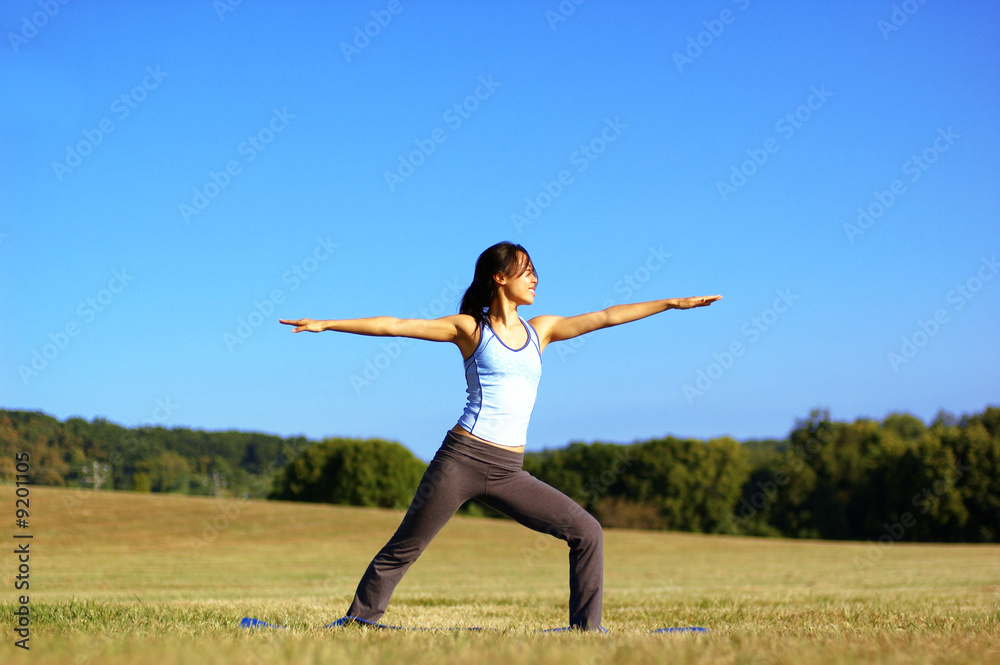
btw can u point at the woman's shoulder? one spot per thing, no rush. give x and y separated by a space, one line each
542 322
464 322
468 330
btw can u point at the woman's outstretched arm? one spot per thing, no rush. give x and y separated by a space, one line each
435 330
557 328
457 328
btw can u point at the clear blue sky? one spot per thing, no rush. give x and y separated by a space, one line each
176 176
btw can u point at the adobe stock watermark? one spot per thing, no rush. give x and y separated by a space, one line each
928 329
787 127
581 159
248 149
544 540
263 309
223 7
767 490
122 107
86 312
30 25
393 347
914 167
454 116
438 474
624 288
211 529
900 15
714 28
562 12
752 331
895 532
595 487
363 35
436 480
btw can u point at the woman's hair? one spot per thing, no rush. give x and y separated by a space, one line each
504 258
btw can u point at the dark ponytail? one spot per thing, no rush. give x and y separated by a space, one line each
504 258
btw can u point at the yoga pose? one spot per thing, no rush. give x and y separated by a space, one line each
481 456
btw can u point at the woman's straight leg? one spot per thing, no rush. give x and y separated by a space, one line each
449 481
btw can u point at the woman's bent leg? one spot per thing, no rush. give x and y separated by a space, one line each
446 485
541 507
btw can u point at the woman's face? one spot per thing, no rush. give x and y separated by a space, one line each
521 289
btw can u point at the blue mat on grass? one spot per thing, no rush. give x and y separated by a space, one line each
250 622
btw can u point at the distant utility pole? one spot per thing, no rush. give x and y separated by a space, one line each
98 474
218 482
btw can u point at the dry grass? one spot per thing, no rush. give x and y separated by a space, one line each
119 578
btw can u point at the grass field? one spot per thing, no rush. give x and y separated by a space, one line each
124 578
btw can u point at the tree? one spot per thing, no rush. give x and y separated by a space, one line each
369 472
975 468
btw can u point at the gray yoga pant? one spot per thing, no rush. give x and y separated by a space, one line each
464 469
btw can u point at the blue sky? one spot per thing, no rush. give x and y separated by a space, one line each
176 176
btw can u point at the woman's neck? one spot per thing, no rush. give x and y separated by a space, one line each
503 313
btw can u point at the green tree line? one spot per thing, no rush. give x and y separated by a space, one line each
148 459
897 479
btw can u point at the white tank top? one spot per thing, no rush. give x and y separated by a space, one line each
502 383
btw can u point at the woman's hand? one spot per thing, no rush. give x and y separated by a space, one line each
699 301
308 325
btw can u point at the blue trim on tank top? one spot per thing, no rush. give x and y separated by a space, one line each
526 332
483 342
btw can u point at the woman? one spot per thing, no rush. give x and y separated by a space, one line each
481 455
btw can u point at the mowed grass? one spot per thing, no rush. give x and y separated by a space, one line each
125 578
